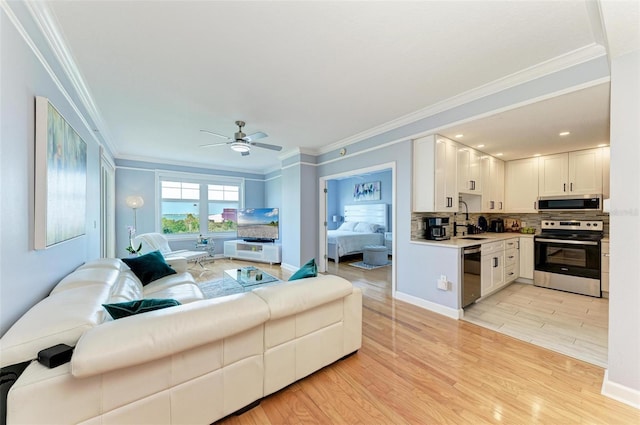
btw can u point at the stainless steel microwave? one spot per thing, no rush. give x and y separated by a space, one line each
570 203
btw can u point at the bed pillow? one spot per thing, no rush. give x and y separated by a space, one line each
149 267
129 308
348 226
363 227
309 269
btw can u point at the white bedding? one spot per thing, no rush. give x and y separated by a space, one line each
352 242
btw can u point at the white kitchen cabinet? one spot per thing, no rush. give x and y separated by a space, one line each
493 184
521 185
511 260
572 173
435 174
604 264
526 257
469 171
492 267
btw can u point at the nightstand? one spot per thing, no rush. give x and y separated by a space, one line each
388 242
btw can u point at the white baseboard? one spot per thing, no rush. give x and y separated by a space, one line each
619 392
289 267
428 305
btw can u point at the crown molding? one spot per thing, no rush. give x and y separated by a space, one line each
47 25
297 151
576 57
164 161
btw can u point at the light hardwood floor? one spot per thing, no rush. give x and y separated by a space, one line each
571 324
418 367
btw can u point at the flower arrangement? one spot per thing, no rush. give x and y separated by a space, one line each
130 249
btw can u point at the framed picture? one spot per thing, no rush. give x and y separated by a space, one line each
366 191
60 178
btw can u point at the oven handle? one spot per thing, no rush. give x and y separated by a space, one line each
565 241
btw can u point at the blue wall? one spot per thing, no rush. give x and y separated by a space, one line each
27 275
340 193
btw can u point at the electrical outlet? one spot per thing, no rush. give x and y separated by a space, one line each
443 284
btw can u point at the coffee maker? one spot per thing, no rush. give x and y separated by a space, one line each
435 228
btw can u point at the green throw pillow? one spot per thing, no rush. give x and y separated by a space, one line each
129 308
309 269
149 267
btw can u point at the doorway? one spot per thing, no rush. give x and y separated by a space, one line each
332 211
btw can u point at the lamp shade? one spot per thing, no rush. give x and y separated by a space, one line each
134 201
240 146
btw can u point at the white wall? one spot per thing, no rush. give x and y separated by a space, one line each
623 374
27 275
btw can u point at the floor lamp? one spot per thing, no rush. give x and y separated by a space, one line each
135 202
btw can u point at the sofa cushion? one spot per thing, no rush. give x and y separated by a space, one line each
87 276
185 293
60 318
149 267
308 269
130 308
127 288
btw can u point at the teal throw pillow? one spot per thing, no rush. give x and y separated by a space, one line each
149 267
309 269
129 308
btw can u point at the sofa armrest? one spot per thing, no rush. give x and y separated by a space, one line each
153 335
179 264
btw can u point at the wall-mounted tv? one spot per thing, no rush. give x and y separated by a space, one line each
259 224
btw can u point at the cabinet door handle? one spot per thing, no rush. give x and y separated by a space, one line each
491 205
473 185
495 261
571 187
605 255
564 187
500 204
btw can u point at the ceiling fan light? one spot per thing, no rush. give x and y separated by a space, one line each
240 147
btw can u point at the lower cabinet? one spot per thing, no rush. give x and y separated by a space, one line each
526 257
492 267
511 260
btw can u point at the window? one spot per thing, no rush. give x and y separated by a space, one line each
190 205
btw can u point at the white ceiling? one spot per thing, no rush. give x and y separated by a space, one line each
313 74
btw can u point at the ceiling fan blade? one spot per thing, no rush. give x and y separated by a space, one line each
210 145
255 136
266 146
245 153
216 134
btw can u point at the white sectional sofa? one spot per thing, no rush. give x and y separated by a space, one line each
189 364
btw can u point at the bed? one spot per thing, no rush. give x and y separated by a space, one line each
363 225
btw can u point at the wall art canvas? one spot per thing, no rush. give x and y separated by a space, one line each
60 178
366 191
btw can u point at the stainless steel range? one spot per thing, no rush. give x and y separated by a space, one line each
567 256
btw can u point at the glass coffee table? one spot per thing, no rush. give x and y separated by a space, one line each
248 277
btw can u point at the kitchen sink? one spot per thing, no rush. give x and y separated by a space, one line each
473 238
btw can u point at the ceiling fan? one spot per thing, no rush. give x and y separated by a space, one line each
241 142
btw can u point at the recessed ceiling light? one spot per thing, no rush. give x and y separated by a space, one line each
565 133
602 145
480 146
499 154
536 154
458 136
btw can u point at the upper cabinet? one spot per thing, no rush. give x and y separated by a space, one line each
435 174
573 173
521 185
469 171
493 185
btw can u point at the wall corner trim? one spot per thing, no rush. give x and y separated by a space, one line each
619 392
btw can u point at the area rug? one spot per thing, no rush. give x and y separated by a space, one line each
362 265
220 288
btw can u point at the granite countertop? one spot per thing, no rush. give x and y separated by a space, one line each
460 242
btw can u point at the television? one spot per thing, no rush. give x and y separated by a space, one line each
258 224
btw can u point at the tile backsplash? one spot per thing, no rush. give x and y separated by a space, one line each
531 220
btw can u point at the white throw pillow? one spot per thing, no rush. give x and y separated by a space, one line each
363 227
348 226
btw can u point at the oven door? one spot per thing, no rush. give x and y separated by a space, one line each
568 257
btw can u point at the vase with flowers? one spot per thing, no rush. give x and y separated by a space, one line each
130 249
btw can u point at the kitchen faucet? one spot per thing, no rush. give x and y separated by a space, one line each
466 217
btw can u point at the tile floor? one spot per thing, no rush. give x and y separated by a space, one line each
571 324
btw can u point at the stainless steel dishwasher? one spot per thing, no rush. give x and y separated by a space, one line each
470 274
